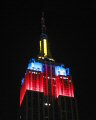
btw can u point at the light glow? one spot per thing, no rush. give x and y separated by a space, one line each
22 81
46 104
67 71
37 66
59 70
40 46
45 47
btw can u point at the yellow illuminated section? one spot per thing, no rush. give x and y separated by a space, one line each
45 47
40 46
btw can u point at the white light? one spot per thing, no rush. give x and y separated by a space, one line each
49 104
46 104
20 116
65 78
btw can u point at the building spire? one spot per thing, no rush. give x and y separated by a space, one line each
43 26
43 43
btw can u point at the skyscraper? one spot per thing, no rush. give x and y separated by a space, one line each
47 91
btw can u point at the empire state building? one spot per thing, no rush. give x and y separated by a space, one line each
47 90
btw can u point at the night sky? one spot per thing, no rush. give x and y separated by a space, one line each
71 33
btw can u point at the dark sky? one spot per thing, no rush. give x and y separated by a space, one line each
71 32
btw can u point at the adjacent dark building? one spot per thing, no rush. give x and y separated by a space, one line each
47 91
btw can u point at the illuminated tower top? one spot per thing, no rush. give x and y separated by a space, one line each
47 90
43 43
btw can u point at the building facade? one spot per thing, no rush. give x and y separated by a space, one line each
47 91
